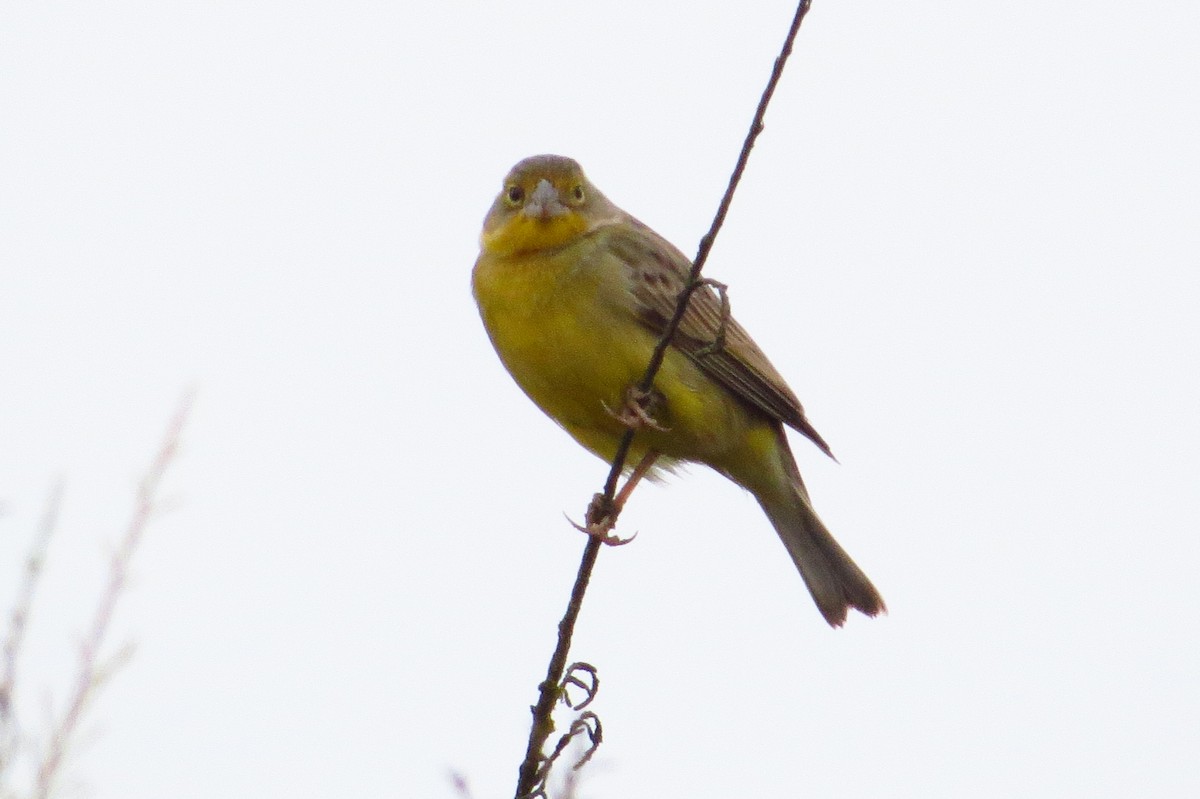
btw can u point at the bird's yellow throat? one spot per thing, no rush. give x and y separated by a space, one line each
522 234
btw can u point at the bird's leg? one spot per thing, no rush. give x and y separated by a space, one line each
602 512
635 477
718 342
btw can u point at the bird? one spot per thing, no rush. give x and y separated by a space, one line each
574 294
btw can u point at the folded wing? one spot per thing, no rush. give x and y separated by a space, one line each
658 272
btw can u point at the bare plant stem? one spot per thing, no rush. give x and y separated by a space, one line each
706 242
550 688
19 621
91 672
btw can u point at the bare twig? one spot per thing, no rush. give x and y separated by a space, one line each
19 621
461 787
92 672
706 242
550 689
588 724
583 676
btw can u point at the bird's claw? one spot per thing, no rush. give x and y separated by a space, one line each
636 412
602 532
600 520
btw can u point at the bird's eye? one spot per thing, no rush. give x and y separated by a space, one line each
514 195
577 193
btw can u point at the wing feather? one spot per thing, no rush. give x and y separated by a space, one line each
658 272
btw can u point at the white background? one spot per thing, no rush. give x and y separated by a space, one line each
968 237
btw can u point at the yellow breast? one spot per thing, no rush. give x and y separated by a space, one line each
563 325
564 345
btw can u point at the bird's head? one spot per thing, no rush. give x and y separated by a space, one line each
545 203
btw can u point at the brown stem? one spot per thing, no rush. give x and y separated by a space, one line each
706 242
530 776
91 671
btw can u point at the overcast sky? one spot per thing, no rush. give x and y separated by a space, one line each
968 237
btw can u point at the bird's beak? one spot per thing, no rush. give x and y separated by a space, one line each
543 203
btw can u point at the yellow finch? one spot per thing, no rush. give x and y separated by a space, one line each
574 293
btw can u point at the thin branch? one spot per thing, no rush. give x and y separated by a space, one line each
550 689
19 619
91 671
706 242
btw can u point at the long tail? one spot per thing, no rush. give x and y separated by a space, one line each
833 579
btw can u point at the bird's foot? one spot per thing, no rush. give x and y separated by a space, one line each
638 410
600 521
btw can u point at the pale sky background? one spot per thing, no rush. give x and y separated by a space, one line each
968 237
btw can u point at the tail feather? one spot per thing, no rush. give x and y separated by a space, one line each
834 580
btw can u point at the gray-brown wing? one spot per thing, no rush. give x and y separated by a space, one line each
658 272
